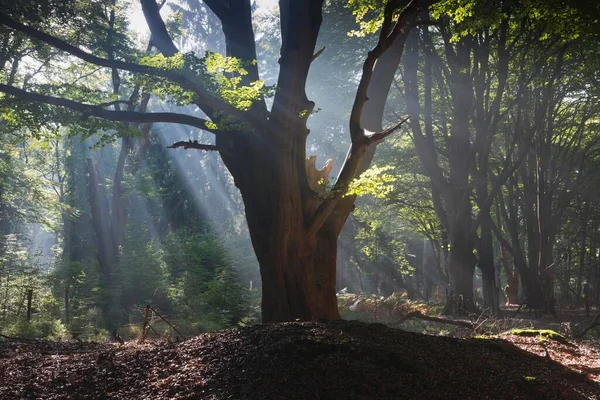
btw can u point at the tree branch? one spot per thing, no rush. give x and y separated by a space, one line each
593 324
317 54
159 36
420 315
116 102
77 52
188 144
98 111
185 78
359 140
216 7
379 136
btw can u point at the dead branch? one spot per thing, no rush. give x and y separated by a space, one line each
391 30
379 136
16 339
168 323
595 322
153 330
419 315
76 337
146 323
189 144
317 54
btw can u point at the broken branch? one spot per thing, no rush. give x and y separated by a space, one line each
189 144
168 323
379 136
419 315
317 54
593 324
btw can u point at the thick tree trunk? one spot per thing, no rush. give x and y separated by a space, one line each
298 272
461 269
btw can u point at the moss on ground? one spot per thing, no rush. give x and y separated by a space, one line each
543 334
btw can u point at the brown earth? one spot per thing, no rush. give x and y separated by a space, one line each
334 360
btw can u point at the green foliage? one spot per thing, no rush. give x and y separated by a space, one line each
225 299
363 9
142 272
376 181
222 75
205 288
38 328
227 74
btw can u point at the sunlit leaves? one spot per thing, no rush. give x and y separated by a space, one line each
219 74
227 73
369 16
376 181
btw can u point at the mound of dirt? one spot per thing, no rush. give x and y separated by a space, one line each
334 360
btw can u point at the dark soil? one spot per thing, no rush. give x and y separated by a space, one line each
335 360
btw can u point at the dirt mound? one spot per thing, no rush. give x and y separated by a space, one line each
334 360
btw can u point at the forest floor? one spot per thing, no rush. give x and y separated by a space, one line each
334 360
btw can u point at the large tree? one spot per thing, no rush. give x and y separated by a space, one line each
294 225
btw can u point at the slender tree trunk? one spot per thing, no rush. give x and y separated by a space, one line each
29 299
67 305
100 221
564 284
485 254
511 291
582 249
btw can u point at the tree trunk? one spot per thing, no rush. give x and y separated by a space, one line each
461 268
29 298
582 249
66 305
487 266
100 220
511 291
298 272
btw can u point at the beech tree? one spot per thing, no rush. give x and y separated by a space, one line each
293 227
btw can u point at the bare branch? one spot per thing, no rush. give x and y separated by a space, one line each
379 136
420 315
593 324
317 54
189 144
98 111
